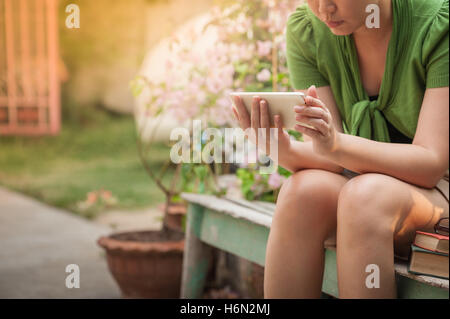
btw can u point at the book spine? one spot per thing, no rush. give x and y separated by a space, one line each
424 274
430 250
427 250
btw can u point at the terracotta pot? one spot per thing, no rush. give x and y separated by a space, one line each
175 215
146 264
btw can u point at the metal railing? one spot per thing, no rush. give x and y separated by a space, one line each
29 84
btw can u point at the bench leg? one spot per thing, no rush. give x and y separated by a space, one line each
197 255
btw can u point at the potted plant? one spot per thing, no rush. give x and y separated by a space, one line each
148 264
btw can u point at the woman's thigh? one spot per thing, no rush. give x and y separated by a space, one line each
405 206
424 209
420 209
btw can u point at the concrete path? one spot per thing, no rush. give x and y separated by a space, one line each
37 242
131 220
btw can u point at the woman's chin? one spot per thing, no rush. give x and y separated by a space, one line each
338 31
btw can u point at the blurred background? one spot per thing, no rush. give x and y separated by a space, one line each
89 91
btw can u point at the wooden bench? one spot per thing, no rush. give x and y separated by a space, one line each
241 227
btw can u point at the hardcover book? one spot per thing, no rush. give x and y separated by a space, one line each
434 242
427 262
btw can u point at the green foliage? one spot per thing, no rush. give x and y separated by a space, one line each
197 178
296 135
283 172
255 186
137 85
254 30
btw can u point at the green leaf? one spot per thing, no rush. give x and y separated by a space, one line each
283 172
281 76
295 134
241 68
200 172
137 86
176 198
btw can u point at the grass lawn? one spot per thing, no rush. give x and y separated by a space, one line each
101 153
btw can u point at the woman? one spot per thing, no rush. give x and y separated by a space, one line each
375 169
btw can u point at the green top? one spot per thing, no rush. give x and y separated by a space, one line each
417 59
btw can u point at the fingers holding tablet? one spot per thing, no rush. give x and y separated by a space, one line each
255 116
275 103
241 112
264 114
303 112
312 101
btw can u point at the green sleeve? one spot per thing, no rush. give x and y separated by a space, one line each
435 50
300 52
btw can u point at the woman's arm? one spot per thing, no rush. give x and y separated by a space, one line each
302 156
422 163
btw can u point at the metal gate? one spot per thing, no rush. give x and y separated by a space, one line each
29 84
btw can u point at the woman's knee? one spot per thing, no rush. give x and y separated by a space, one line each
367 205
309 195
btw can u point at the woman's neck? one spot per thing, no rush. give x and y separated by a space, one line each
375 35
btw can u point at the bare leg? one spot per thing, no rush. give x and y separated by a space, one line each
375 213
305 216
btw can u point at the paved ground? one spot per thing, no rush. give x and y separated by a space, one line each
142 219
37 242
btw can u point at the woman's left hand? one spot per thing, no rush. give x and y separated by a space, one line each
316 114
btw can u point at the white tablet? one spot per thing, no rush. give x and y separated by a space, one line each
280 103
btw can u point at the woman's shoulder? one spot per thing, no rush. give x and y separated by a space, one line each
429 9
430 25
304 26
299 20
429 15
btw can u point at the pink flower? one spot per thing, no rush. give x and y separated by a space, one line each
169 64
264 48
275 180
201 97
247 51
106 194
214 86
91 197
263 76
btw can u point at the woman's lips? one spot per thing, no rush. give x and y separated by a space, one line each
334 24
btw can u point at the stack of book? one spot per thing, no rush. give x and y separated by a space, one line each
429 255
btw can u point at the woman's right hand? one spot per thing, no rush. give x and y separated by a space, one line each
259 118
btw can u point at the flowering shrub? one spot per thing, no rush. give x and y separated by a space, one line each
254 32
247 53
255 186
